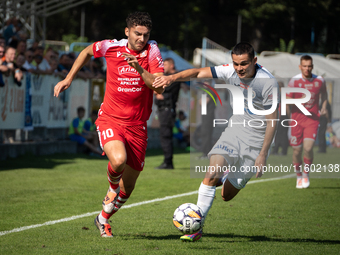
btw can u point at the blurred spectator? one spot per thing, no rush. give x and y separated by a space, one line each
21 47
54 68
2 67
35 45
90 122
331 139
8 61
2 52
19 62
90 128
180 132
29 54
80 135
40 62
50 54
11 32
64 63
2 41
96 68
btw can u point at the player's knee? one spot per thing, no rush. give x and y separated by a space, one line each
227 197
297 151
118 161
308 150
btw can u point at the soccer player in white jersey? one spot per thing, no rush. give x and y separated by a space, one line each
242 147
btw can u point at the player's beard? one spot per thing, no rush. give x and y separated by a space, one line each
138 46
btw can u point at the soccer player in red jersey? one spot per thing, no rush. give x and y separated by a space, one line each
132 66
303 135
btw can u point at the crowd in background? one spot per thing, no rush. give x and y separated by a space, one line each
18 56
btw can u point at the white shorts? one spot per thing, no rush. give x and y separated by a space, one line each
240 157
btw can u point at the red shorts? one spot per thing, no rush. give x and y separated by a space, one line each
306 129
135 139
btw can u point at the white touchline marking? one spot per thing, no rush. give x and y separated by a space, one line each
2 233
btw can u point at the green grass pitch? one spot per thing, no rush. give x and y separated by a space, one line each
270 217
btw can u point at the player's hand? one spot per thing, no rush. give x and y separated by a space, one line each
323 111
259 163
159 96
162 81
131 60
61 86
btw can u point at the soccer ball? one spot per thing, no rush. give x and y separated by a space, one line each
188 218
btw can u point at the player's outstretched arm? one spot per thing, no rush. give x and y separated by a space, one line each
165 81
268 138
82 59
147 77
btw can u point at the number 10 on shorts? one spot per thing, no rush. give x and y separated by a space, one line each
108 133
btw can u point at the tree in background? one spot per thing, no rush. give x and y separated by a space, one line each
181 25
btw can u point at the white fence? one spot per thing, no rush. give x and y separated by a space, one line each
33 105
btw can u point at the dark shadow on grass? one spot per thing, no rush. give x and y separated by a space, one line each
228 238
42 162
175 168
323 187
149 236
157 152
50 161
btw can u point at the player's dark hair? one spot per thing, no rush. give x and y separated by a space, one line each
244 48
80 109
306 57
139 19
171 60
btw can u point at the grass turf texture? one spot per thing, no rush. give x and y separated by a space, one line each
265 218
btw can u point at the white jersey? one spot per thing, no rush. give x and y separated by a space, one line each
250 128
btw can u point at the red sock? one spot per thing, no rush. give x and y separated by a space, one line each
297 168
113 176
106 215
122 198
307 162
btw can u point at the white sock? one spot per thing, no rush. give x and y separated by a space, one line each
101 219
206 195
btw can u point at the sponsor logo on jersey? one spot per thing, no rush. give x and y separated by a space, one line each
118 54
309 86
127 70
143 54
134 89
